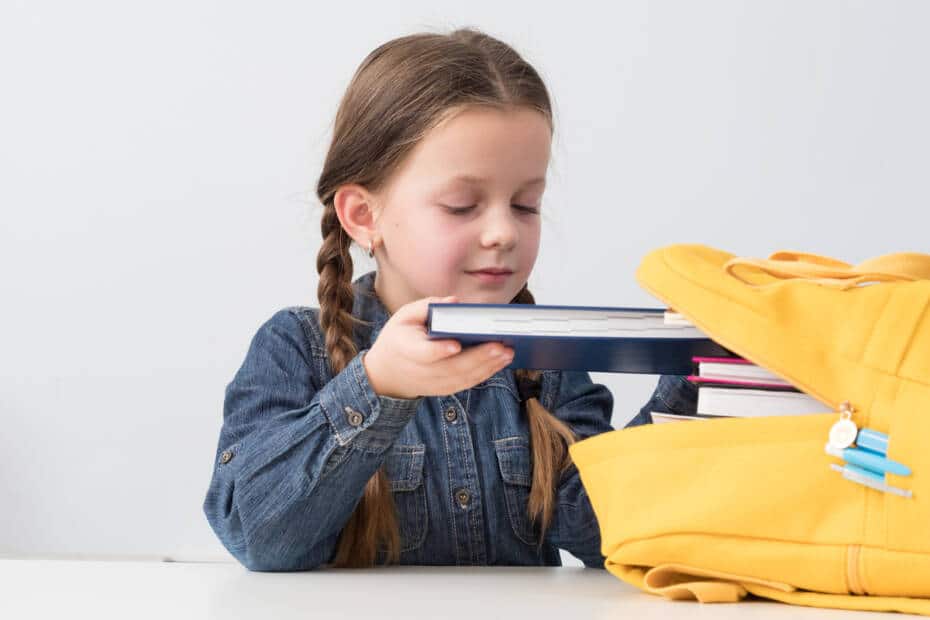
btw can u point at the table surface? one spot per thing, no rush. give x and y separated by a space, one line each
68 589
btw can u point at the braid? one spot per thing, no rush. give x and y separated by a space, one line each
373 523
549 440
334 264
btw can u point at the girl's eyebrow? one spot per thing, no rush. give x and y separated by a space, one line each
473 180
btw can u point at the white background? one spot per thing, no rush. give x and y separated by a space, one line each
158 162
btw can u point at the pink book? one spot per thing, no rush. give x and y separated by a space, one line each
720 360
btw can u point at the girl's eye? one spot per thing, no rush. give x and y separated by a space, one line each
459 210
469 209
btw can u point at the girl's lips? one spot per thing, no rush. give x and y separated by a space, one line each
490 276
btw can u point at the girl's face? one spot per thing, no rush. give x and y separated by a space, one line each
460 216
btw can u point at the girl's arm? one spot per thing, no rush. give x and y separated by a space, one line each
673 394
293 458
586 407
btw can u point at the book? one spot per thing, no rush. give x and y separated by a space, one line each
660 417
737 383
746 403
735 370
598 339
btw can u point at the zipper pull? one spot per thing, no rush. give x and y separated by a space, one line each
843 432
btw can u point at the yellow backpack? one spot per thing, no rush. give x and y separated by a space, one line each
712 510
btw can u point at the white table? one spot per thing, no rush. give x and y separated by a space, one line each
64 590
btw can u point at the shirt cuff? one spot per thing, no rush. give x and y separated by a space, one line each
359 416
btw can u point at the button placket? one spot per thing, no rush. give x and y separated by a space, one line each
464 491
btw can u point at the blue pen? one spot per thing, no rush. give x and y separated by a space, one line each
869 460
872 440
869 479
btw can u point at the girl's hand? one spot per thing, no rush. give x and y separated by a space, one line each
404 363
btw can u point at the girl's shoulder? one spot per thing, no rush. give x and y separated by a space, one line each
295 326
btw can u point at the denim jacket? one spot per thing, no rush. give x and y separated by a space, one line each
298 445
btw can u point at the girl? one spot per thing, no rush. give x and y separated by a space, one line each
350 438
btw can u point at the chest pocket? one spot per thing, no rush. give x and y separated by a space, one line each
513 457
404 468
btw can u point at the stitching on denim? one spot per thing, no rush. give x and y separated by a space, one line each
472 516
449 481
374 405
332 422
514 494
414 457
309 323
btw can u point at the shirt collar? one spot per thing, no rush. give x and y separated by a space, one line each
367 307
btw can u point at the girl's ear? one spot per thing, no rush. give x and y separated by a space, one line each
355 209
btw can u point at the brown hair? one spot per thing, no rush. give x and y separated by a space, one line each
403 89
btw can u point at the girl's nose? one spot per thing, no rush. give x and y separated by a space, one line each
499 229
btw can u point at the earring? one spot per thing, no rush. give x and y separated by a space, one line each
371 249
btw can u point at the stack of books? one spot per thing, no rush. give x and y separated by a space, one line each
625 340
734 387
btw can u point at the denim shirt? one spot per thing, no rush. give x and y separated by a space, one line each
298 445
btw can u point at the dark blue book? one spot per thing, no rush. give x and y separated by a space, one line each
627 340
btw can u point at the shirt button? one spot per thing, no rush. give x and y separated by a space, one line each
353 417
462 497
451 414
226 456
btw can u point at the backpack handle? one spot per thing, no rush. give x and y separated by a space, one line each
826 271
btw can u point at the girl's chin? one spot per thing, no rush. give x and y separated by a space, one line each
485 299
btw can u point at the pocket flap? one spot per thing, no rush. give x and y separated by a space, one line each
513 457
404 466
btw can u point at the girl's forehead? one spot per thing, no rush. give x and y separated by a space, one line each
479 145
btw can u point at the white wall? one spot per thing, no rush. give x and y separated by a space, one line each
158 161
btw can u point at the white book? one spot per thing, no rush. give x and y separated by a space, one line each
659 417
746 403
674 318
739 372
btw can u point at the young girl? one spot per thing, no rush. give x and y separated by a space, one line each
350 438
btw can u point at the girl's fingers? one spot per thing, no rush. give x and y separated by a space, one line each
481 361
415 312
436 350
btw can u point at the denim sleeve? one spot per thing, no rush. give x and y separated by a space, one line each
586 407
673 394
292 460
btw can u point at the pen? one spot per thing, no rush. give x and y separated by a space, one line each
872 440
869 460
869 479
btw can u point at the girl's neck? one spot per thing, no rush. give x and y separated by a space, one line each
391 303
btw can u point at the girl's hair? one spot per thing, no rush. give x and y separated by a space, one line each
403 89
